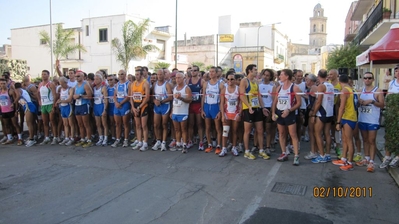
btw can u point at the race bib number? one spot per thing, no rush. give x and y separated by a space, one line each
137 96
177 102
4 103
265 96
45 99
283 101
233 103
111 100
22 101
64 97
98 99
366 109
211 95
120 94
78 102
255 102
159 97
195 96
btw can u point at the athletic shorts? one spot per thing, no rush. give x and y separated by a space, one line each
268 119
195 108
98 109
46 109
351 124
8 115
82 109
326 120
179 118
211 110
124 110
368 127
66 111
252 118
111 109
143 111
162 109
231 116
289 120
30 107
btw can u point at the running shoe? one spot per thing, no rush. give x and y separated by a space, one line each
172 144
346 167
70 142
4 139
88 144
385 163
163 147
234 151
358 157
263 155
209 149
310 155
185 150
157 146
64 141
100 142
218 150
319 159
296 160
190 144
201 146
395 162
55 141
370 167
30 143
138 146
19 142
104 143
45 141
116 143
249 155
268 152
223 152
362 162
339 162
143 148
283 157
125 143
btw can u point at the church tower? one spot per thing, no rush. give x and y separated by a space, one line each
318 27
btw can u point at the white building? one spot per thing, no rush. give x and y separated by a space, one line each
95 35
306 63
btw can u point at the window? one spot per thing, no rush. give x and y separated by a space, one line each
314 28
87 30
161 49
103 35
322 28
314 42
43 42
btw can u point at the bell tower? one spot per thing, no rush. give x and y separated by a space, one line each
318 30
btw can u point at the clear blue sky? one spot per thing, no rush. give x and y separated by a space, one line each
194 17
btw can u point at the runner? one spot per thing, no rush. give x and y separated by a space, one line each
163 96
284 106
100 108
140 92
253 111
181 101
65 102
111 107
371 101
311 84
230 106
30 112
333 79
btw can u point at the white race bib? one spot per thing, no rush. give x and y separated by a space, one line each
366 109
110 100
283 100
45 99
98 99
195 96
22 101
78 102
120 94
177 102
137 96
255 102
232 105
4 103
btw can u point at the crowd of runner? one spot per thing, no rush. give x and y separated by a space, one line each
211 112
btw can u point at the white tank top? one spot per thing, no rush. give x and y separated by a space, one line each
284 98
393 87
180 107
46 95
160 92
25 97
231 105
212 93
302 87
64 94
369 113
265 90
98 95
327 105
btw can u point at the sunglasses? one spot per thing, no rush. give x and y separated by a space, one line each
110 80
121 74
230 79
368 78
78 76
194 70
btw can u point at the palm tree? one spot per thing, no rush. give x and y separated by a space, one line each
131 46
62 44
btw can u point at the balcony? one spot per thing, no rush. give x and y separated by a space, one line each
376 25
362 6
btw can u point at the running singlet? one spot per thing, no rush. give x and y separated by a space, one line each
231 106
369 114
138 91
160 92
265 90
327 104
5 102
122 91
196 90
111 92
212 93
284 98
180 107
80 90
98 95
337 90
25 98
393 87
252 91
350 111
46 94
64 94
302 87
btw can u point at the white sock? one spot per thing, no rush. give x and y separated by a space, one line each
19 136
145 144
9 136
101 137
367 158
387 157
105 138
247 151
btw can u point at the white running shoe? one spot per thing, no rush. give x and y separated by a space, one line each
64 141
70 142
55 141
100 142
157 146
30 143
4 139
223 152
234 151
163 147
138 146
45 141
115 144
125 143
144 148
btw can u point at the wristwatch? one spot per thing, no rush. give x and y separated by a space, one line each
372 102
138 108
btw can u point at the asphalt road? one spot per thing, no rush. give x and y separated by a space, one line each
58 184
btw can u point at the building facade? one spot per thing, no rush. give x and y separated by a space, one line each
318 30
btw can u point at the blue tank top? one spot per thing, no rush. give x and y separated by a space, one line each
81 90
122 91
111 92
196 90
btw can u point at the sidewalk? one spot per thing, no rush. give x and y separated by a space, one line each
394 172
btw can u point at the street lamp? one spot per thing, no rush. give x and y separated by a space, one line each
176 37
51 42
257 42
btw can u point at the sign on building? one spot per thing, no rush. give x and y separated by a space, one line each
225 38
237 60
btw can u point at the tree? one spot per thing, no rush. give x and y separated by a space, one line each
343 57
62 44
200 65
131 46
161 65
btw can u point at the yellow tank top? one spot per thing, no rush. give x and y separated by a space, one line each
138 91
350 111
252 90
337 90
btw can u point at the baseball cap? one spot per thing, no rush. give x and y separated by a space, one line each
173 74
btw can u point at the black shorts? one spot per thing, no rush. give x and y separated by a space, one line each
252 118
268 119
289 120
143 111
306 123
326 120
8 115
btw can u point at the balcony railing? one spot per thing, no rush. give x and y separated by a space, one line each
374 18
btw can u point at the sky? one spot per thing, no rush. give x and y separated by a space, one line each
195 18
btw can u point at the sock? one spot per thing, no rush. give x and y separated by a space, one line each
145 144
386 157
367 158
163 142
106 138
9 136
344 159
19 136
101 137
246 150
140 143
326 154
350 163
371 161
261 150
118 139
113 138
89 140
178 144
66 139
323 156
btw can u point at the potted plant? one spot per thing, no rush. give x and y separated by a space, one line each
386 13
391 123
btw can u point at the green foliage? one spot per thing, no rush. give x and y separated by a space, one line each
200 65
131 46
207 68
387 10
17 68
343 57
62 44
37 80
161 65
392 123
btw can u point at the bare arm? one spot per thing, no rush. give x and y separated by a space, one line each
319 98
243 96
89 91
343 98
188 97
298 99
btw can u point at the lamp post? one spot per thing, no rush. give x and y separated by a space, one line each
51 42
257 42
176 37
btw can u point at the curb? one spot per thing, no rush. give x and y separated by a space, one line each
392 171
